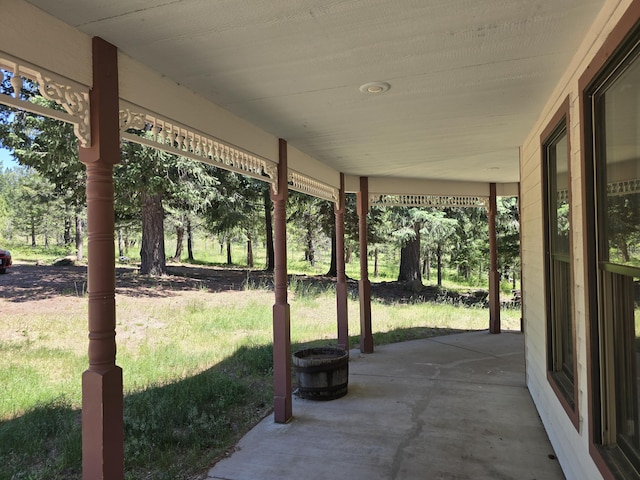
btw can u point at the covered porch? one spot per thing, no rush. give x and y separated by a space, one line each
405 103
447 407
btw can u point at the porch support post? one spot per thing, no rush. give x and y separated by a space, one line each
341 284
366 336
282 402
494 277
102 402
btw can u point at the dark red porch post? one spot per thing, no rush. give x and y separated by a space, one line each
341 284
281 315
366 337
102 404
494 276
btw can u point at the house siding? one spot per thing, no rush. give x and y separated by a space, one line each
571 444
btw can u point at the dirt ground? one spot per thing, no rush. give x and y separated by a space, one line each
26 282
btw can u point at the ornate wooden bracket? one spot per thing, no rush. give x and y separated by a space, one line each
178 139
71 96
427 200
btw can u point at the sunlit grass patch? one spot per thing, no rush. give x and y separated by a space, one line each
197 370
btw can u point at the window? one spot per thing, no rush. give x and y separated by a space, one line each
612 135
557 221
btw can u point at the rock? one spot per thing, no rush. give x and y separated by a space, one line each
64 262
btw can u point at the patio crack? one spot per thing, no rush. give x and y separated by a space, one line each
418 425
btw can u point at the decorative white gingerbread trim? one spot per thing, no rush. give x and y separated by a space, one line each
304 184
403 200
71 96
562 196
624 187
178 139
614 189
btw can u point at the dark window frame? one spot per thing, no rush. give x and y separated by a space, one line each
564 384
609 460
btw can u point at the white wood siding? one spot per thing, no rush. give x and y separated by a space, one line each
571 445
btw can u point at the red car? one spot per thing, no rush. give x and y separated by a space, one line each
5 260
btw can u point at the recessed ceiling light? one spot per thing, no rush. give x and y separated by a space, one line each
375 87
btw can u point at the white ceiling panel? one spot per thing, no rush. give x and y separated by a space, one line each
468 77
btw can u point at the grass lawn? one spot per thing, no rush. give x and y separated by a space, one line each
197 371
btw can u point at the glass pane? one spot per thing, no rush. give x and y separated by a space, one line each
561 225
562 325
622 154
625 307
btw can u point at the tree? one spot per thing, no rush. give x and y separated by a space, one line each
379 225
50 148
470 243
623 226
142 176
35 207
306 218
150 183
235 209
268 226
408 224
508 234
438 229
9 191
194 189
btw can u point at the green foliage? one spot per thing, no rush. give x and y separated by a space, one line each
197 373
623 228
49 432
196 196
310 222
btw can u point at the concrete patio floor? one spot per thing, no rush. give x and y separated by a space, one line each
451 407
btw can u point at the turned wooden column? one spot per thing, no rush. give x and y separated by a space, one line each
494 275
364 287
341 280
282 402
102 402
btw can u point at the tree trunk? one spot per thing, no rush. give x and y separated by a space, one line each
127 243
67 231
249 251
624 250
179 243
427 261
229 262
268 225
33 233
79 253
189 240
333 268
439 258
347 254
120 244
310 252
410 260
375 262
152 254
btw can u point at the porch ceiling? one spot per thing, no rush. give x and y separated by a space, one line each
468 78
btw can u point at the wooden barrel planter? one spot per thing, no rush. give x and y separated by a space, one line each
321 373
